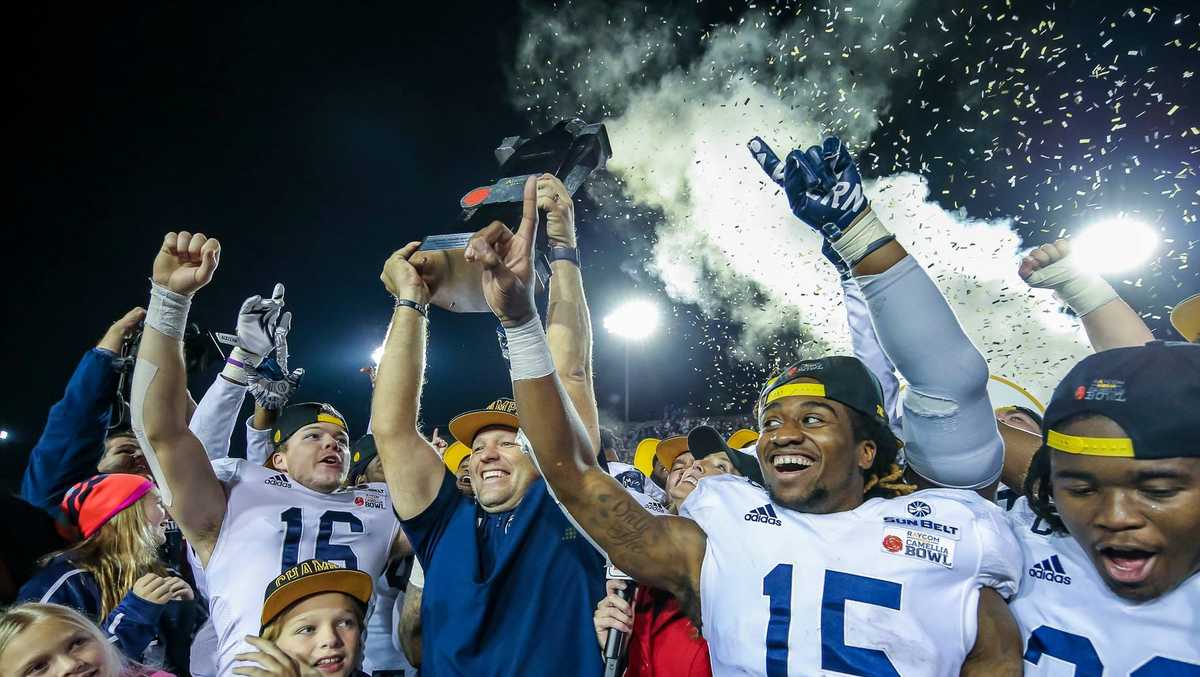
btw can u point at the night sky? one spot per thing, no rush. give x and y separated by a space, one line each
315 138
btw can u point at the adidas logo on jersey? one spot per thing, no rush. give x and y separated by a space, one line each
765 514
1050 569
279 480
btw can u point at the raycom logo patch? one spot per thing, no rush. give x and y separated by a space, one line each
920 545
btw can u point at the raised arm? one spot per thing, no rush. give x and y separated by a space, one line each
73 440
645 546
158 397
568 320
949 427
1107 319
865 345
412 467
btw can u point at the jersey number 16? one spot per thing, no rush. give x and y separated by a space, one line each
293 520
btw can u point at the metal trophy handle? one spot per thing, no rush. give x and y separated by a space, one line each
570 150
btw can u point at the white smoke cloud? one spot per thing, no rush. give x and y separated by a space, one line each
679 130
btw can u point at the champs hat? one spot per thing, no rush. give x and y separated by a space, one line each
362 452
313 577
838 378
1151 391
1186 318
91 503
296 416
706 441
502 412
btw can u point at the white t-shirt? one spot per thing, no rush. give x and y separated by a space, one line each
1073 625
380 653
889 588
271 523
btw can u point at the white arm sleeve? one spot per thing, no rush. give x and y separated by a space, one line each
215 416
866 348
950 431
258 443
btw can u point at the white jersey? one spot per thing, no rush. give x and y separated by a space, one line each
271 523
639 486
1073 625
889 588
380 654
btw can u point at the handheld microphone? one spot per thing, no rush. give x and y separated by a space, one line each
617 642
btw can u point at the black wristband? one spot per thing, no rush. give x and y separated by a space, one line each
560 253
422 308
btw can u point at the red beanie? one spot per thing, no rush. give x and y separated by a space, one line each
94 501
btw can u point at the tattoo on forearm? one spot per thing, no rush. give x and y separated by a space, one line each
625 522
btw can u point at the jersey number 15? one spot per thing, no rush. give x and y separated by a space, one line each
835 655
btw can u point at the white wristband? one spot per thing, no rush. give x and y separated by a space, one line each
528 352
1082 291
236 363
856 243
168 311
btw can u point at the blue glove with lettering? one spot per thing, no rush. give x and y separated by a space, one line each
825 191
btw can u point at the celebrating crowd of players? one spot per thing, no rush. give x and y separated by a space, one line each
862 529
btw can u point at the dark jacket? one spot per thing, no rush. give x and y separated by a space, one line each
133 623
73 439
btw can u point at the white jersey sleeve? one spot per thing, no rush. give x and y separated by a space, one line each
638 486
271 523
258 443
1072 624
380 653
215 416
890 588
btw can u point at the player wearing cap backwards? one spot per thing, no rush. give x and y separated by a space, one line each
509 583
245 523
849 581
1109 523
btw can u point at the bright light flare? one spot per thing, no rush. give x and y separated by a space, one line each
633 320
377 355
1115 245
3 434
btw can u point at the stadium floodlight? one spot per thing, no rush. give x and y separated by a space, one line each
633 320
1115 245
377 355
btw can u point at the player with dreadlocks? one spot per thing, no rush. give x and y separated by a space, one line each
810 574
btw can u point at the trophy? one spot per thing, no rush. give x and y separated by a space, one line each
570 150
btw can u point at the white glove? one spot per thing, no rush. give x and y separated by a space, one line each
258 323
270 383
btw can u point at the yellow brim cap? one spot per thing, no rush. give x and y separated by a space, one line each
670 449
351 582
643 457
466 426
454 455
